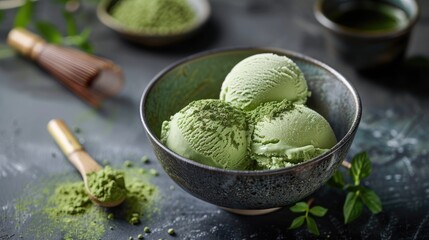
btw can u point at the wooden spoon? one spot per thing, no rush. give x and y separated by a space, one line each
77 156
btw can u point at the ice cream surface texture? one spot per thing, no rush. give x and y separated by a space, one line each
209 131
285 134
260 121
264 78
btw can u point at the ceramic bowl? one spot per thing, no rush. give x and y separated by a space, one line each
199 77
366 50
202 10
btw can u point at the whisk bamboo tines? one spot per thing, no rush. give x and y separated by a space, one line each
90 77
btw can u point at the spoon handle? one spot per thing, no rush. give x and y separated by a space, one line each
71 147
63 137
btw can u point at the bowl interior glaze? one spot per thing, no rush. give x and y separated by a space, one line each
201 77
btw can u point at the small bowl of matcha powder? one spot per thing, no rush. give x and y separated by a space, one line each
154 22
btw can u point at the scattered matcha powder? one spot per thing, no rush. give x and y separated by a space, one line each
70 211
77 130
128 164
107 185
138 195
145 159
134 218
70 198
153 172
60 208
155 16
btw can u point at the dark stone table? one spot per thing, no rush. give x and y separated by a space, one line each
394 128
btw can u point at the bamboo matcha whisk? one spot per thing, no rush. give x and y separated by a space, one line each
90 77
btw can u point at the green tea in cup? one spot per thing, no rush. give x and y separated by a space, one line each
370 16
368 34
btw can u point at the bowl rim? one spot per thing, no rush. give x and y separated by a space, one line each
336 147
110 22
340 29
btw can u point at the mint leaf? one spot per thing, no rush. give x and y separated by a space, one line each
1 15
49 32
24 14
299 207
70 23
337 180
62 1
85 33
361 167
354 188
81 41
312 226
297 222
371 200
87 47
318 211
352 207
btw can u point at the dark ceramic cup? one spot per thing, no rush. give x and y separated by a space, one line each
367 49
251 192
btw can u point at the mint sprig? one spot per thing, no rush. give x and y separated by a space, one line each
1 15
361 167
51 32
358 195
304 207
24 15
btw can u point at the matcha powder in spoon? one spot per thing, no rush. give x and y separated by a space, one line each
107 185
154 16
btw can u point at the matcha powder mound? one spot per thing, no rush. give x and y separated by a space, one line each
154 16
60 208
107 185
70 198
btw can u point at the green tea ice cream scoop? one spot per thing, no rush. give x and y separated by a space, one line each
210 132
264 78
285 134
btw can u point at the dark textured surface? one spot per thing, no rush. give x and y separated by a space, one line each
394 128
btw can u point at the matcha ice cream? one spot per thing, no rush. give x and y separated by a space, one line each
285 134
209 131
264 78
260 121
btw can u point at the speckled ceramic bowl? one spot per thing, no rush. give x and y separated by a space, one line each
201 8
200 76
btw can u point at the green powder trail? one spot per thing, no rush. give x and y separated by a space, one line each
69 198
154 16
138 196
59 208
